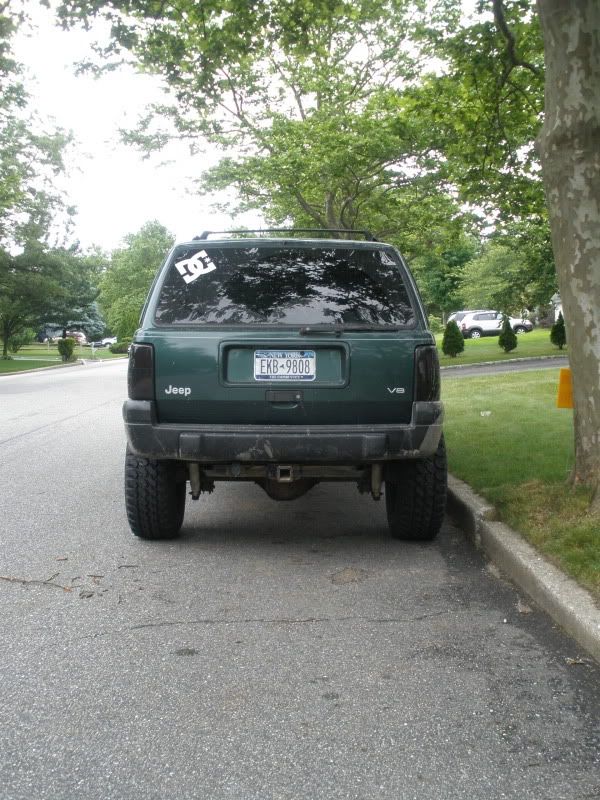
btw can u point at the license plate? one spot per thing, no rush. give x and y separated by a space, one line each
284 365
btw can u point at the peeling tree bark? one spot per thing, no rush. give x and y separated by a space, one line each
569 147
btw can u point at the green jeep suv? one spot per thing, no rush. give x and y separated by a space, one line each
285 361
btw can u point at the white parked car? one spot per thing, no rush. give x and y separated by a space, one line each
109 340
476 324
458 316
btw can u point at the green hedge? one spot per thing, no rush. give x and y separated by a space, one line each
66 348
120 347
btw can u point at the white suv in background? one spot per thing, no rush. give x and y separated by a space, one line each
458 316
476 324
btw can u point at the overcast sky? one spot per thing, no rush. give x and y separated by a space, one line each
113 188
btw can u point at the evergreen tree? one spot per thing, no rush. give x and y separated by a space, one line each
453 342
508 338
558 334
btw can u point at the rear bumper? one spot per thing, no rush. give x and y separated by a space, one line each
316 444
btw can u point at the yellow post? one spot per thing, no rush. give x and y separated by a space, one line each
564 398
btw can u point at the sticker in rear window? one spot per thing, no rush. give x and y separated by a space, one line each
195 266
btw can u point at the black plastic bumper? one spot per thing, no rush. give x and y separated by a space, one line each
317 444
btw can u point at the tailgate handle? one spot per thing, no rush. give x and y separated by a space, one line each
284 396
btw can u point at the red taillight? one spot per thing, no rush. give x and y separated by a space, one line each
140 376
427 373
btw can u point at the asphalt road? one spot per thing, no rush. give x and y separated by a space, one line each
277 650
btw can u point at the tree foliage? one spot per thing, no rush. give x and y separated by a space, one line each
306 100
334 115
79 274
440 273
484 104
26 336
38 283
126 282
42 285
494 280
31 154
87 318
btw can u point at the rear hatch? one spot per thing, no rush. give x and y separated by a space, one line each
284 333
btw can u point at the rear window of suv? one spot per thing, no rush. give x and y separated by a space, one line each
283 285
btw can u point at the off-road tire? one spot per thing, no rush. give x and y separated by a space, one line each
154 497
415 496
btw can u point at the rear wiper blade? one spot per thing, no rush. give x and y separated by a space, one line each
339 327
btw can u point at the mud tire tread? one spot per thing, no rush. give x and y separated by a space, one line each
415 498
154 499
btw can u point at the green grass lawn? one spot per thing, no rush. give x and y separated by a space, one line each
45 351
507 440
19 366
34 356
536 343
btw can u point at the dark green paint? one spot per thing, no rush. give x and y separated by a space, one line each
355 374
358 374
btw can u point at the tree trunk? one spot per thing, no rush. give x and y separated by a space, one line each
569 146
7 330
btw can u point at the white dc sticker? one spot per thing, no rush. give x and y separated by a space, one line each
192 268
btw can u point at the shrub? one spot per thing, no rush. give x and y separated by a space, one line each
435 324
558 334
453 342
508 338
120 347
16 342
66 348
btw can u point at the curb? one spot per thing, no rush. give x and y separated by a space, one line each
522 360
81 362
87 362
567 603
77 363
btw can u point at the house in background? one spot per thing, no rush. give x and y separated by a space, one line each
546 315
557 304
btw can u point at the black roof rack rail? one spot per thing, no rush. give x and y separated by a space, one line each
367 234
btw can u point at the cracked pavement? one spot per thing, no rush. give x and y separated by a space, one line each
276 650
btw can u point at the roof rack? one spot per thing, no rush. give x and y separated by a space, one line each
367 234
